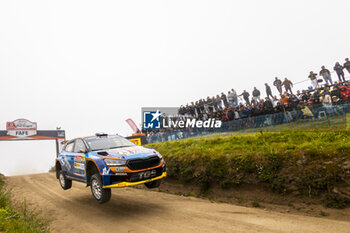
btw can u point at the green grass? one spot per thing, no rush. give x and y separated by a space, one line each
310 162
13 220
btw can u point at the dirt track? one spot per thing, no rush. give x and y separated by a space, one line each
138 210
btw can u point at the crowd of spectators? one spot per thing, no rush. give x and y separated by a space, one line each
233 106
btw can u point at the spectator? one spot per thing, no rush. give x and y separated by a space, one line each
339 70
345 92
230 97
278 84
326 76
284 100
268 106
235 98
268 91
288 85
306 96
275 101
224 99
347 64
256 94
313 78
326 99
293 101
218 103
245 95
336 92
209 103
299 95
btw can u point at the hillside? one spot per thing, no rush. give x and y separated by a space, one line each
314 163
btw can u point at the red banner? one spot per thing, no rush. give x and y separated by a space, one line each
132 125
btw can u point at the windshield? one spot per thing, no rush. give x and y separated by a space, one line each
105 143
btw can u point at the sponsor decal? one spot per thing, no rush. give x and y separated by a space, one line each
147 174
121 174
21 128
79 166
79 158
105 171
79 162
119 169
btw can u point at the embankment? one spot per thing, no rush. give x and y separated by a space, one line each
312 164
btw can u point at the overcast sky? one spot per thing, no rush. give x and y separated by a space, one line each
87 66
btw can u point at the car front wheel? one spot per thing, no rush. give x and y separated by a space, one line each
64 182
100 194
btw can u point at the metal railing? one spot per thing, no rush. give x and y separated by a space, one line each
326 116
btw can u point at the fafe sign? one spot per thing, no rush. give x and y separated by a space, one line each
21 128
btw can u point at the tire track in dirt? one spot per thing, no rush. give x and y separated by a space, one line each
139 210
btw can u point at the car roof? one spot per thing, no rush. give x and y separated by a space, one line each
107 136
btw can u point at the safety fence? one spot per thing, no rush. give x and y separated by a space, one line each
326 116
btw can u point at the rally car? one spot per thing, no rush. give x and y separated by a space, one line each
108 161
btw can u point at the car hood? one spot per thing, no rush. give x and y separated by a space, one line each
131 152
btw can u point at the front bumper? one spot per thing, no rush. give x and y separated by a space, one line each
125 184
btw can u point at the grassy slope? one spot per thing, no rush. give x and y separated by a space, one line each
14 220
311 163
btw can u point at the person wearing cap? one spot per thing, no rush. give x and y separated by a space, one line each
313 77
326 75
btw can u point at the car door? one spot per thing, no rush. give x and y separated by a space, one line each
79 154
67 157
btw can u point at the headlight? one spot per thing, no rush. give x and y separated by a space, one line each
114 162
159 155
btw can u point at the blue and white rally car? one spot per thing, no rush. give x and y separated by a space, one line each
108 161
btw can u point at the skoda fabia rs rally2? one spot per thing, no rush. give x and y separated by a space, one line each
108 161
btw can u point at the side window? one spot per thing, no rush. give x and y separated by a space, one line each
79 145
69 147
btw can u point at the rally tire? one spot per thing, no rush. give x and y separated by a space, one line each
100 194
64 182
153 184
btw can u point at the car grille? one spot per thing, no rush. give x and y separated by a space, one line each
133 177
138 164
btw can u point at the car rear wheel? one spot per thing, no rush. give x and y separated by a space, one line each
100 194
64 182
153 184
